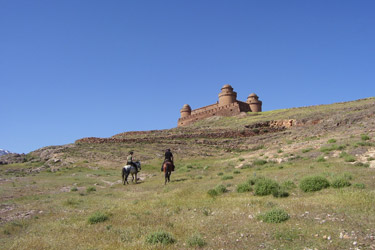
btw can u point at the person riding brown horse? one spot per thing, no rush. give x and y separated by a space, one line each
168 157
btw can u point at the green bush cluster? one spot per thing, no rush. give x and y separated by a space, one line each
98 217
276 215
313 183
227 177
340 182
365 137
244 187
359 185
90 189
196 240
332 147
160 237
320 159
331 140
259 162
280 193
265 187
219 189
306 150
288 185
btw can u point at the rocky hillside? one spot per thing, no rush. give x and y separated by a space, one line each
214 136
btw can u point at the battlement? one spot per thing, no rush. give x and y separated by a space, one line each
228 105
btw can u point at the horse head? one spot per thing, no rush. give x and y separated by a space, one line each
138 163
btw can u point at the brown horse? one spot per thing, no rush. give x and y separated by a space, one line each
167 168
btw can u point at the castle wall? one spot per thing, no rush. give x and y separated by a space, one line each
214 110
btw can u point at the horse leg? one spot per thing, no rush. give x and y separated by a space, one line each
126 178
123 176
135 178
169 176
166 177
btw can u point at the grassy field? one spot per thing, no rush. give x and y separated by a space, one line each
214 201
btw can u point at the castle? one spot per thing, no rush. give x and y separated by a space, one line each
228 105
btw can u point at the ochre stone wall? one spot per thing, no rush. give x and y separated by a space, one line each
227 105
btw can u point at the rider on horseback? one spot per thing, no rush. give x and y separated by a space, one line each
130 160
168 157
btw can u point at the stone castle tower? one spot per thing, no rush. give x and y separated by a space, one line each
228 105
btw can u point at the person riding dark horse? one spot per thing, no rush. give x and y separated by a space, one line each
168 157
130 160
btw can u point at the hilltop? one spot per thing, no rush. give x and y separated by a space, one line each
53 192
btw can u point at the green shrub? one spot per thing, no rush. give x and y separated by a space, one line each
220 174
265 187
212 193
280 193
349 158
364 144
220 189
160 237
276 215
259 162
227 177
313 183
360 164
365 137
280 151
306 150
320 159
97 217
241 159
73 189
196 240
90 189
288 185
255 179
370 159
359 185
244 187
236 172
340 182
331 140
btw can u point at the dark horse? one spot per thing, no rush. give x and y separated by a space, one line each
128 169
167 168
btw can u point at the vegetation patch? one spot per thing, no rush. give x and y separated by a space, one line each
196 240
219 189
313 183
160 237
97 218
340 182
227 177
331 140
280 193
244 187
259 162
359 185
265 187
288 185
276 215
320 159
90 189
365 137
305 150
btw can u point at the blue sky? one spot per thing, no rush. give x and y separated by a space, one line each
71 69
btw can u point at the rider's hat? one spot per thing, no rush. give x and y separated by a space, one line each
131 152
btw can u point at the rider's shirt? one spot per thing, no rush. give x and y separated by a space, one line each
168 155
129 158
